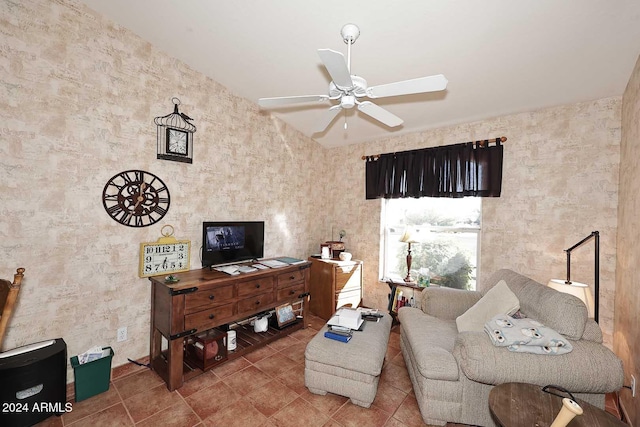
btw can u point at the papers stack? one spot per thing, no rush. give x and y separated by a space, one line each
273 263
94 353
290 260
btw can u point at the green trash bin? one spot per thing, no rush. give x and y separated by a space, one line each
93 377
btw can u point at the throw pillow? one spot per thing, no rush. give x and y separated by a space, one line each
499 300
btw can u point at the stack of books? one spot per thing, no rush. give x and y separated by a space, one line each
338 333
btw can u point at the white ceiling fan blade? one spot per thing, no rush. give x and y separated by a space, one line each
406 87
337 67
380 114
327 118
286 100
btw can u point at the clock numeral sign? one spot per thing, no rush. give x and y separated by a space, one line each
136 198
163 258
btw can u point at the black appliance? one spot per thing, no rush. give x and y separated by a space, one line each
33 383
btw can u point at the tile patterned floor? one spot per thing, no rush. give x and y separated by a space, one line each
264 388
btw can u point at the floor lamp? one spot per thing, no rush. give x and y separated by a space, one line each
578 289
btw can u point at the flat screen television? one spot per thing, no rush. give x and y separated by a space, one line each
225 242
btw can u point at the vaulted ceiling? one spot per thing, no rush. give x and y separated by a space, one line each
499 56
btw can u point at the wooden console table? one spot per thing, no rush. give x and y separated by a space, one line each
204 299
525 405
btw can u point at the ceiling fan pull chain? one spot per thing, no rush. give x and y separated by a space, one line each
345 119
349 56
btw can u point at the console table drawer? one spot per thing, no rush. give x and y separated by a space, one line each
204 298
290 292
257 286
255 303
288 279
207 319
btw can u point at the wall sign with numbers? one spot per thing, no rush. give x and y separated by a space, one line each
164 256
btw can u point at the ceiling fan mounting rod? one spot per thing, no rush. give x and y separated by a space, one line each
349 56
349 33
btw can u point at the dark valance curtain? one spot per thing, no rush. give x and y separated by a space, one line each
459 170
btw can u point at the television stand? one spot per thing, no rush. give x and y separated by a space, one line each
205 299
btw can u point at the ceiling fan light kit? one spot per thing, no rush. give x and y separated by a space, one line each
347 88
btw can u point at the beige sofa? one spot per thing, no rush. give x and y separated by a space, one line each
452 373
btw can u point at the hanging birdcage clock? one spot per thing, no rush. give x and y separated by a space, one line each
175 135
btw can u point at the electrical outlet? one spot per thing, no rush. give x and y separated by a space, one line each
122 334
633 386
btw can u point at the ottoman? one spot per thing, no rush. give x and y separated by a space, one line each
349 369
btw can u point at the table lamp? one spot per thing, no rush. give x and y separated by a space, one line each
408 238
578 289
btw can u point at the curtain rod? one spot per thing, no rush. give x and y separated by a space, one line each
482 143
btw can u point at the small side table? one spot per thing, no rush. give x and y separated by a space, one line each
526 405
392 286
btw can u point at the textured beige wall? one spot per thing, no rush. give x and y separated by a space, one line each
80 94
559 184
626 340
79 97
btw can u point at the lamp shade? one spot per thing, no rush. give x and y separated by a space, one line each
407 237
576 289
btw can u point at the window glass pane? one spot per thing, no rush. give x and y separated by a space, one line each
446 231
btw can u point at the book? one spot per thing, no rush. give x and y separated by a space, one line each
337 337
273 263
391 295
396 296
290 260
341 331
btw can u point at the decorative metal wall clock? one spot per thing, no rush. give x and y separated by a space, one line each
175 135
136 198
166 255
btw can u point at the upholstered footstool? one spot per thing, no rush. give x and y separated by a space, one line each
349 369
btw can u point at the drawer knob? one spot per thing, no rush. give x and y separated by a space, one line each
211 297
211 316
292 292
292 277
257 285
257 302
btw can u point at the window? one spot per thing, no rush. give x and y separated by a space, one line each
447 231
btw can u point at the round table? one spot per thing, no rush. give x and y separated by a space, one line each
526 405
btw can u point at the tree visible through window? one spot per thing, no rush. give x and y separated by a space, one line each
447 232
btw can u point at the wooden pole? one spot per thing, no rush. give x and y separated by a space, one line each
482 143
12 290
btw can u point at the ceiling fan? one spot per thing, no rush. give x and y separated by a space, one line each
349 88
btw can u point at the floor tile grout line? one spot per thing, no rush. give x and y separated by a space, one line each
123 405
284 352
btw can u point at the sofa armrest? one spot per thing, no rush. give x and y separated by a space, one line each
589 368
447 303
592 331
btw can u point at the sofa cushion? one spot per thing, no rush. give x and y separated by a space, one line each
563 313
589 368
431 342
498 300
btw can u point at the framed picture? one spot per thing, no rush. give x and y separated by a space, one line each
285 315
